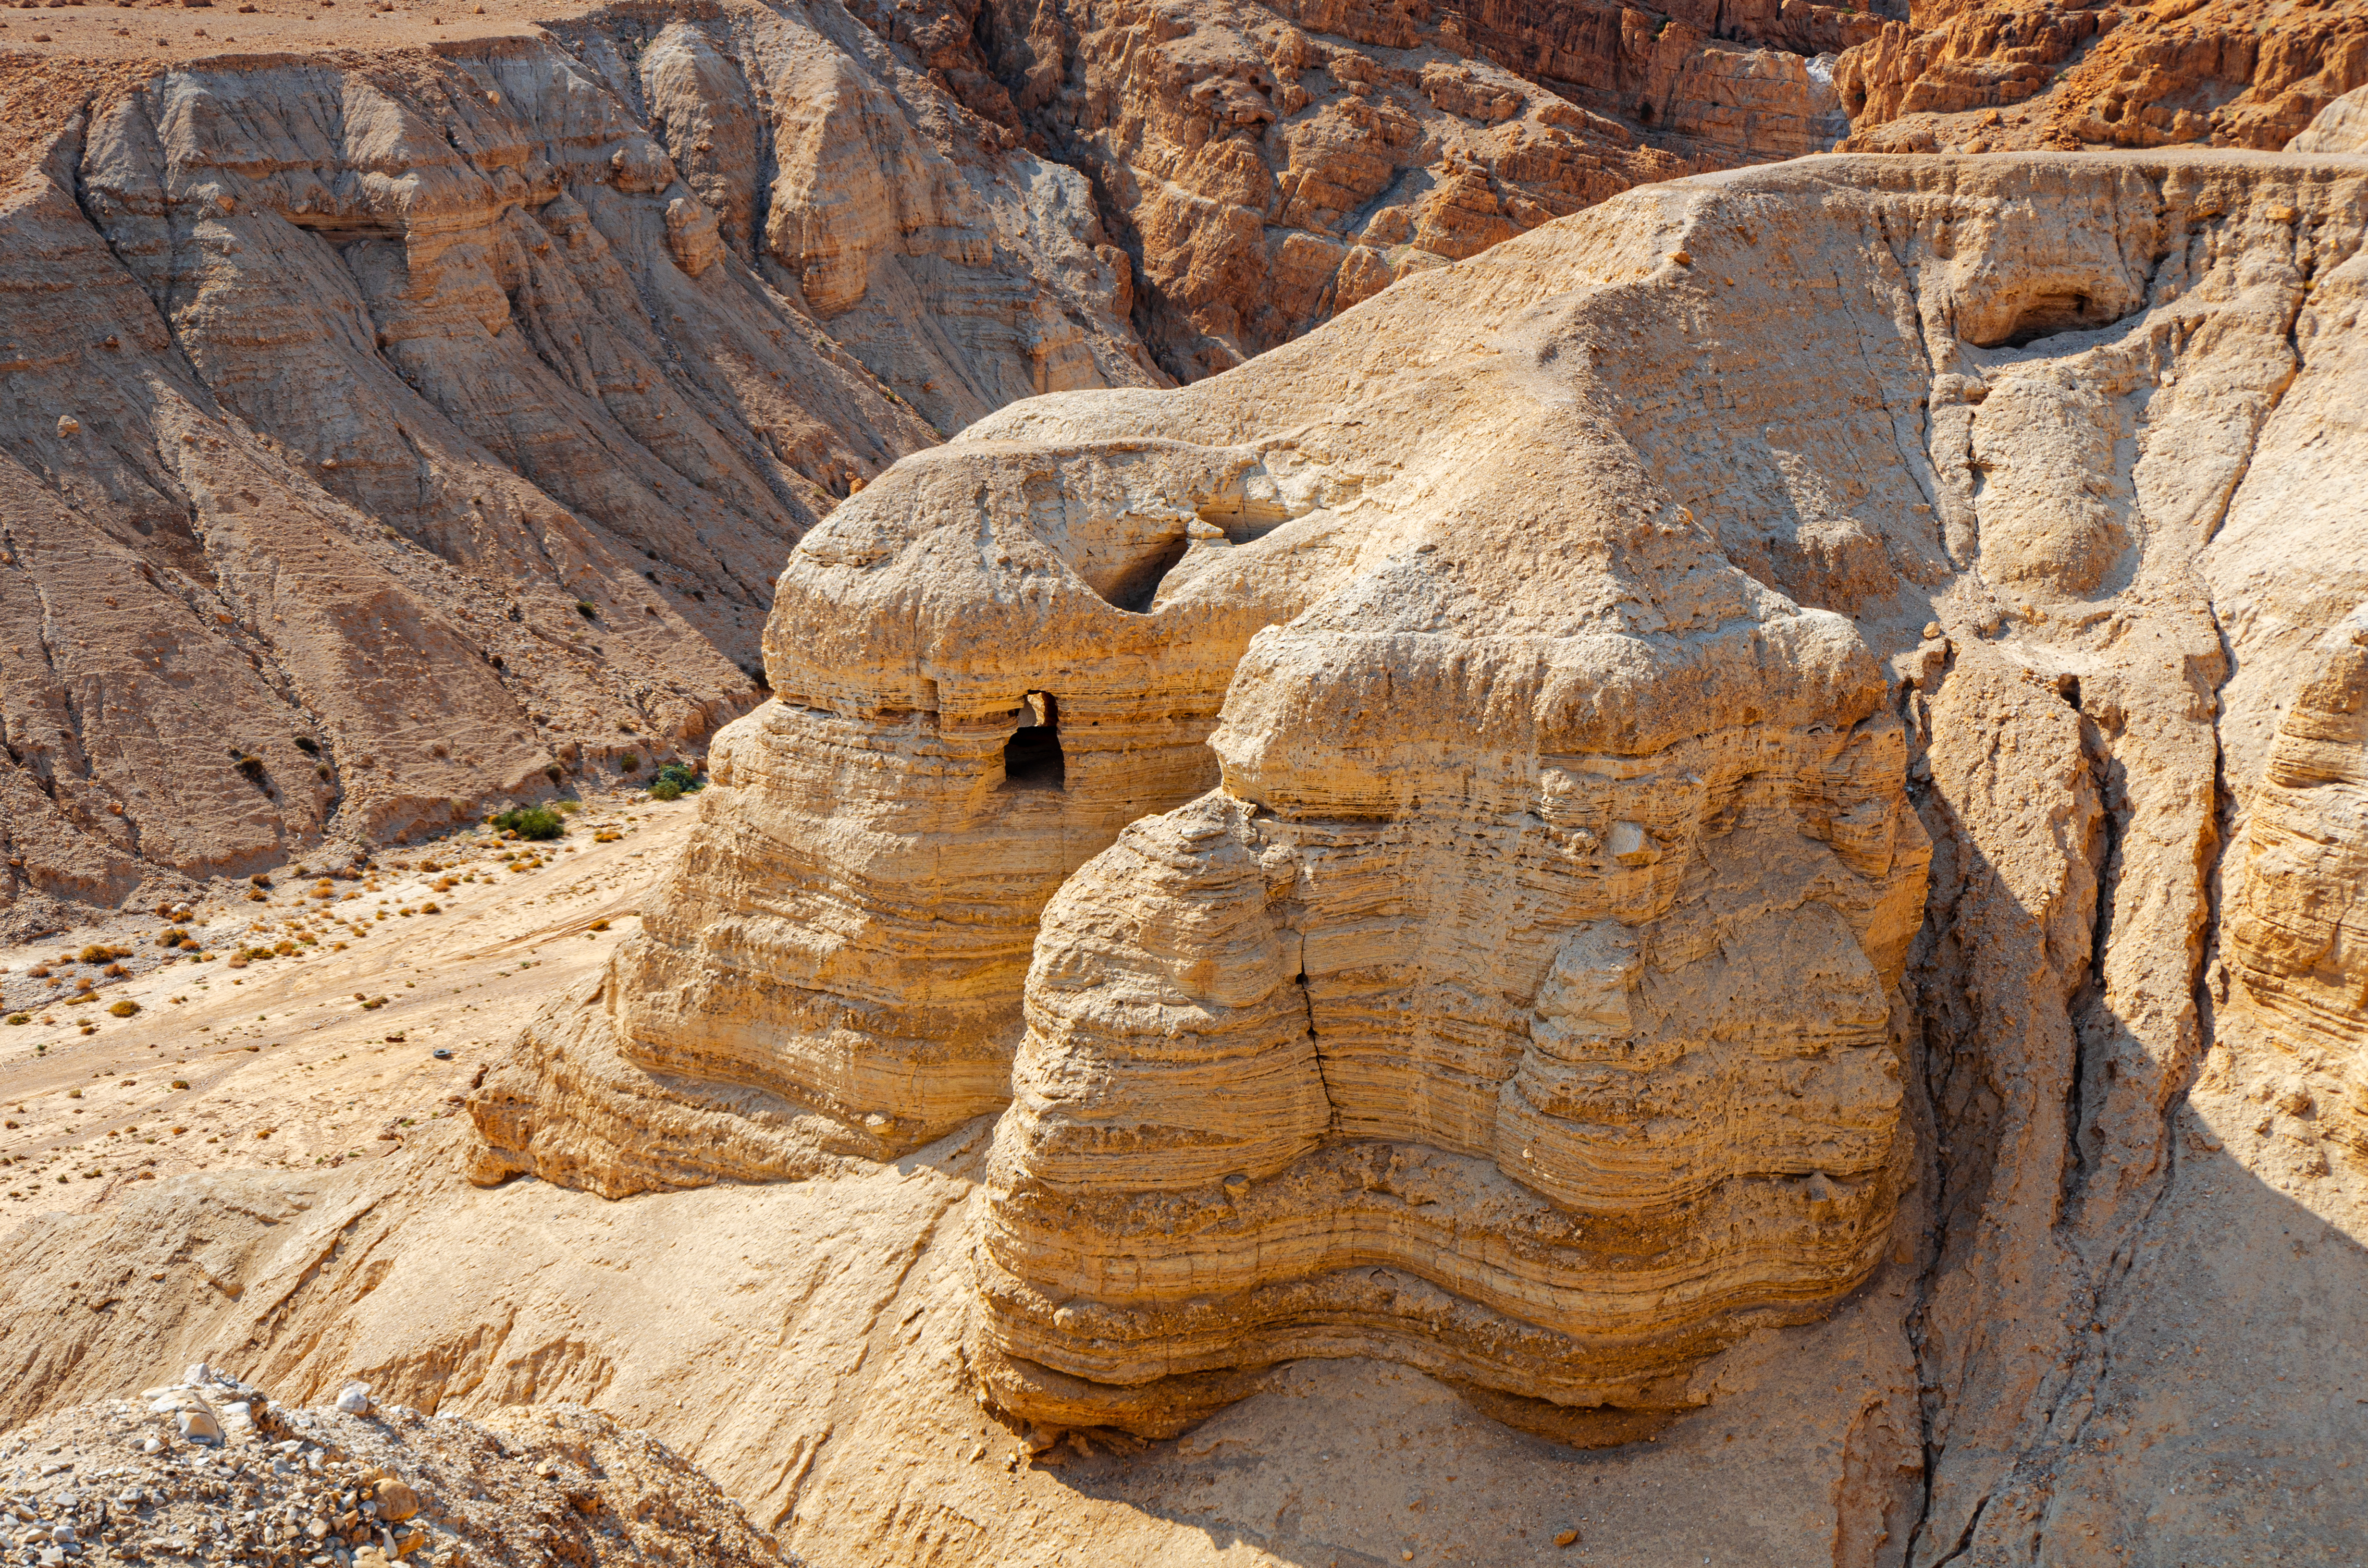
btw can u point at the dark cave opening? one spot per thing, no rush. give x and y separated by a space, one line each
1032 757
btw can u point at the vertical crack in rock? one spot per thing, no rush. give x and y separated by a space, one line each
2103 853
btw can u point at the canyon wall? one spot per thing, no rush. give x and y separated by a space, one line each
391 439
505 369
1736 810
2212 73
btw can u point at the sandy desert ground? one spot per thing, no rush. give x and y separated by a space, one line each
328 1053
800 1341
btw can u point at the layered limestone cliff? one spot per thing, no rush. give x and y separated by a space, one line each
394 435
1552 988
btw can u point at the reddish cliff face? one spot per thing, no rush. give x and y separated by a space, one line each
1983 76
1265 166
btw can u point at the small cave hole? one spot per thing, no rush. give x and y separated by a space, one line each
1032 759
2067 686
2046 315
1140 585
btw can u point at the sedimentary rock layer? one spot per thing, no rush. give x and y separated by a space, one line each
393 436
985 665
1424 1020
998 656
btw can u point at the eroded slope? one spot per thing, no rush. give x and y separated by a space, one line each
394 433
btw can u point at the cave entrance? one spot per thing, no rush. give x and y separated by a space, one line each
1032 759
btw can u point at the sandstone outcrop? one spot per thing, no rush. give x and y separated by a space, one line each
1547 993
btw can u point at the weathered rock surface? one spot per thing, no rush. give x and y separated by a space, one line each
391 437
504 369
2340 127
1497 959
987 665
1539 998
290 1483
1267 165
1976 74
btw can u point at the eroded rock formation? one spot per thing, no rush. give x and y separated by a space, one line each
388 437
1267 165
1975 74
527 358
1548 991
985 665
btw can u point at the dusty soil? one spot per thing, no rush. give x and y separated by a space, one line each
175 31
328 1053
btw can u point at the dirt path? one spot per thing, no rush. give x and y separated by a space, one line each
323 1054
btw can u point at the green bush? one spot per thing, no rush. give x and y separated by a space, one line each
665 789
630 763
532 821
686 781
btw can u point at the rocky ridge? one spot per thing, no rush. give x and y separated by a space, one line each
277 441
509 366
